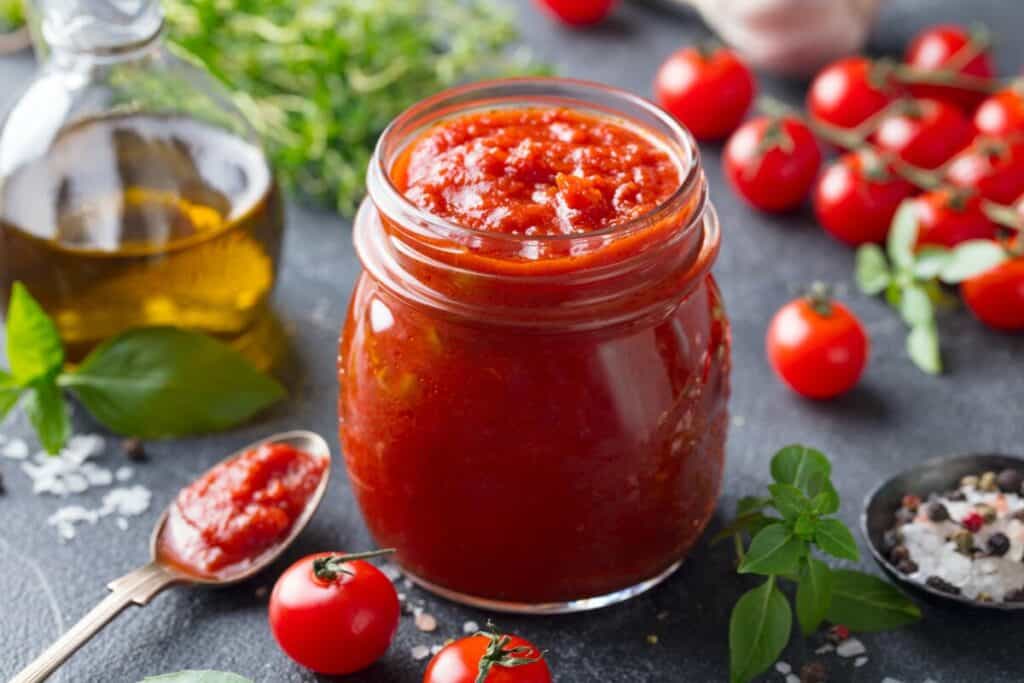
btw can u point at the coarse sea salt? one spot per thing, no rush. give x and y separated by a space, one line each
851 647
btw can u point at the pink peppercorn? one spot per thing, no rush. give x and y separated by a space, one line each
973 522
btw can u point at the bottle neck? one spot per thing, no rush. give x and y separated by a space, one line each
97 27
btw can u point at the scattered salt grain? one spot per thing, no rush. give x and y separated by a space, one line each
739 421
783 667
470 627
420 652
426 622
860 661
792 678
96 475
16 449
122 523
825 649
124 473
391 571
851 647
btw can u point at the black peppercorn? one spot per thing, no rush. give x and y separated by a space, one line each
998 544
898 554
937 512
907 566
813 672
940 584
1018 515
1009 481
133 449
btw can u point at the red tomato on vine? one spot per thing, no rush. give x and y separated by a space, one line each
488 658
772 162
848 92
927 133
956 49
992 167
948 216
1002 114
996 297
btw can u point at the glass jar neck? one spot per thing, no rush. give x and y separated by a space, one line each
97 27
622 273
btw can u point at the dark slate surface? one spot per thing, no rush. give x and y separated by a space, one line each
897 416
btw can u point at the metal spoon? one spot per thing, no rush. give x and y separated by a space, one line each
937 475
143 584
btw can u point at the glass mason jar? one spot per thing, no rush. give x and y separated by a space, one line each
132 191
537 424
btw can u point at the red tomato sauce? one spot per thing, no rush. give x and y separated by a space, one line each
240 508
536 172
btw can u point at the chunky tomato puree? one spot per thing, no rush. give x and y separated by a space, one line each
240 508
536 172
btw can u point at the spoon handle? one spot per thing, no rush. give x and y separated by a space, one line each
137 587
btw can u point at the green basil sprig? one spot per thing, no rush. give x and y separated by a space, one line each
911 279
197 677
147 382
781 549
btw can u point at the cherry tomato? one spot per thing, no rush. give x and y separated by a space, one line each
944 47
500 658
708 92
817 346
578 12
992 167
947 216
771 162
847 92
857 196
1001 115
926 135
996 297
333 616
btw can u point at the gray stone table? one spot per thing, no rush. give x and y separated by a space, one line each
896 417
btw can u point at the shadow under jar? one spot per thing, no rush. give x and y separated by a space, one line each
535 418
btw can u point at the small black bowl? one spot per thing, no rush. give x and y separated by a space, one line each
940 474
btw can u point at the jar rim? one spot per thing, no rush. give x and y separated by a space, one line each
390 199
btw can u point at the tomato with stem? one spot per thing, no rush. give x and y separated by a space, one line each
857 196
996 297
334 613
708 89
772 162
956 50
993 167
488 657
850 91
948 216
817 346
578 12
1002 114
925 133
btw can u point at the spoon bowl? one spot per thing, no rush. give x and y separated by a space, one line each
936 475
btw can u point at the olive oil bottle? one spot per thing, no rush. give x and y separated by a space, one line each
147 201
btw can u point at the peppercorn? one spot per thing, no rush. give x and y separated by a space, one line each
998 544
969 482
973 521
1009 481
940 584
898 554
837 634
956 496
1018 515
937 512
964 541
813 672
891 539
1016 595
133 449
987 512
911 502
987 481
907 566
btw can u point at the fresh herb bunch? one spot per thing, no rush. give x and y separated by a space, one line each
12 14
148 382
782 547
912 279
321 79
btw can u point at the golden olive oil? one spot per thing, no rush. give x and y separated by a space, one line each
139 219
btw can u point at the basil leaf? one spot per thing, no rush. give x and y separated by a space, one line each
34 348
789 500
751 504
804 526
161 381
834 538
915 306
48 413
872 270
797 465
923 348
759 629
973 258
864 602
813 594
903 235
751 522
197 677
774 550
826 502
929 262
10 392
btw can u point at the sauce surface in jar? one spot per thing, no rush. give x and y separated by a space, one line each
533 410
240 509
536 172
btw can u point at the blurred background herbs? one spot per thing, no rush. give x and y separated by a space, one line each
12 15
320 79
